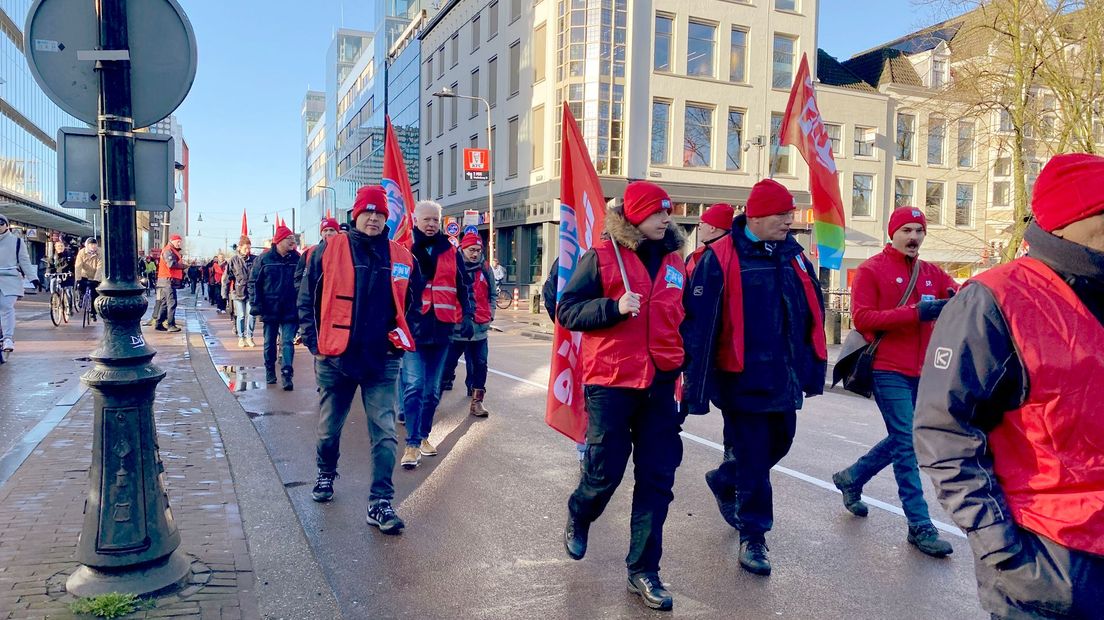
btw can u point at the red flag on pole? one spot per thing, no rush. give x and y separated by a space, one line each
582 219
396 182
245 225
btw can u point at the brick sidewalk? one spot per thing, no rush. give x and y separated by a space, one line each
41 506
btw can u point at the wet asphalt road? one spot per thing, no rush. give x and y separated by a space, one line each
484 519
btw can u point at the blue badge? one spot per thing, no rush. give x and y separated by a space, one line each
916 213
400 271
927 298
674 278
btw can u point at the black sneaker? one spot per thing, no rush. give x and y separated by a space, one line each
382 515
726 497
323 487
926 539
161 328
270 376
852 493
575 538
753 557
286 383
651 590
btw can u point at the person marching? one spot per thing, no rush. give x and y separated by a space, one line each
273 298
626 299
755 341
326 229
1008 423
474 349
15 266
235 287
353 302
715 223
214 274
170 277
446 305
905 328
88 269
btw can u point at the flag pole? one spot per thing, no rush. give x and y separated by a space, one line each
621 266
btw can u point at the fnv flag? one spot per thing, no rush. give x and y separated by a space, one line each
803 127
400 199
582 217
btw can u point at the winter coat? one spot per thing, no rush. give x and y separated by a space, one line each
470 270
15 264
88 266
237 272
427 328
63 263
272 292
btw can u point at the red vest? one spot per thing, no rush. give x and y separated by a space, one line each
163 269
481 290
1048 453
730 349
440 293
628 354
339 293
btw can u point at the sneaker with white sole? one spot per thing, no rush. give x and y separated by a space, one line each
382 515
241 343
9 345
427 449
249 342
411 457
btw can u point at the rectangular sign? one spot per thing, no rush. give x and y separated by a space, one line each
477 164
79 170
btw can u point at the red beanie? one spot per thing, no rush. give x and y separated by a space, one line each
282 232
769 197
906 215
642 199
328 222
175 238
1069 189
370 198
719 215
471 239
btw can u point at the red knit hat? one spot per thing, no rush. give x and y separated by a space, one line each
642 199
175 238
282 232
1069 189
328 222
769 197
906 215
370 198
719 216
470 240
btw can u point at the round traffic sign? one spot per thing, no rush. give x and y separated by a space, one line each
471 229
62 40
452 229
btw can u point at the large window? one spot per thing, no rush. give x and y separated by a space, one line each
902 192
864 141
515 10
475 33
428 122
661 131
964 204
515 68
453 106
474 93
492 81
1001 193
512 148
862 195
1003 167
440 174
784 50
492 20
937 133
906 137
966 144
538 137
540 41
699 49
454 48
664 28
734 160
737 56
440 118
835 132
933 202
697 146
939 73
782 162
454 172
429 177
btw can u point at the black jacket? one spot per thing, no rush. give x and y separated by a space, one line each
780 365
548 291
272 292
237 272
63 263
958 405
373 306
426 328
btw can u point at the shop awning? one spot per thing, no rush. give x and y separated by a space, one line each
39 216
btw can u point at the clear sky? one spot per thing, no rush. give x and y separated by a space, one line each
258 57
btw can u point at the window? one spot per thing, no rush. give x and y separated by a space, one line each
785 5
902 192
1003 167
864 142
966 144
783 157
429 122
492 20
964 204
834 134
453 105
440 62
700 42
939 73
454 170
661 131
664 27
538 137
440 118
734 160
1005 121
737 56
429 177
1001 193
494 152
492 81
454 48
440 174
428 79
474 93
906 134
862 195
933 202
937 132
783 61
515 10
475 33
512 148
697 146
539 43
515 68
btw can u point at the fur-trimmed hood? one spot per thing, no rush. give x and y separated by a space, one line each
624 233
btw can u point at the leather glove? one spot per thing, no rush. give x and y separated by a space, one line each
929 310
467 328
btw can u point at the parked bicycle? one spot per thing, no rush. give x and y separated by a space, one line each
61 298
503 301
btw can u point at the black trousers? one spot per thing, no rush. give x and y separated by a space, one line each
646 424
754 443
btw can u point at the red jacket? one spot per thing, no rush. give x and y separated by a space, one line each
879 284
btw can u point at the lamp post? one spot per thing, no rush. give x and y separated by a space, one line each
447 93
334 197
276 214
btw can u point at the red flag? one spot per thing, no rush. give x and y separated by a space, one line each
582 218
245 225
396 182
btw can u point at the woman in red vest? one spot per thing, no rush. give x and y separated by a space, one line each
626 299
1008 419
474 348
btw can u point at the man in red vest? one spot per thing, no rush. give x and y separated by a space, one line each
1008 419
353 303
170 277
754 335
474 349
715 223
326 229
626 299
905 329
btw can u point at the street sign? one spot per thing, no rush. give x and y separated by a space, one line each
79 170
62 44
452 228
477 164
454 241
471 230
471 217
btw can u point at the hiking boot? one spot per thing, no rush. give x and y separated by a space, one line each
476 409
323 487
382 515
241 343
249 342
926 539
270 376
726 497
411 457
285 381
172 328
753 557
852 493
427 449
651 590
575 538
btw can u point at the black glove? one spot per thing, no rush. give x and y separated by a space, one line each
467 328
929 310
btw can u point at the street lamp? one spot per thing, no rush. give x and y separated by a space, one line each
447 93
334 197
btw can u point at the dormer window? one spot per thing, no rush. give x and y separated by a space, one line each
939 73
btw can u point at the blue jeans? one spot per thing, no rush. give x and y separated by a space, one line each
377 392
895 394
286 333
421 389
244 310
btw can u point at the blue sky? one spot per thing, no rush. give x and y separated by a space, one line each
258 57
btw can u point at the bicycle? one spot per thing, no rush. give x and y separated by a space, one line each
61 299
85 305
503 301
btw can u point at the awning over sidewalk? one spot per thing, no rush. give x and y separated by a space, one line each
44 217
